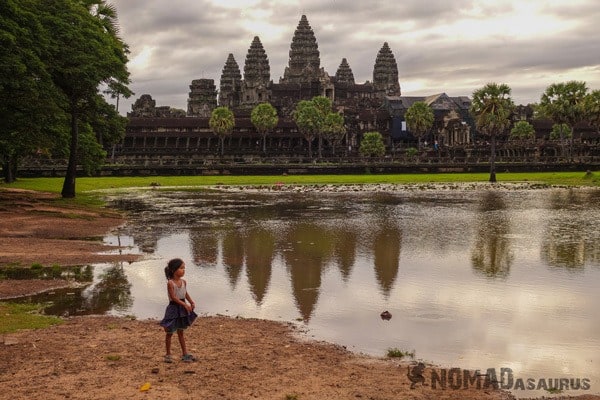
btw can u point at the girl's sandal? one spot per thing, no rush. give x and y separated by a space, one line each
168 359
188 358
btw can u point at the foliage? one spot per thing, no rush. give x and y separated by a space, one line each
264 118
14 317
522 130
334 128
412 152
310 117
563 103
560 132
419 119
84 52
29 101
591 106
372 145
222 122
395 352
91 155
492 107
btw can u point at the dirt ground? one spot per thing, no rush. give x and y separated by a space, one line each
106 357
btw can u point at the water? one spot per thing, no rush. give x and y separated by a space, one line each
500 278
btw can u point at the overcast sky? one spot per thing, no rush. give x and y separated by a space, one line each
440 46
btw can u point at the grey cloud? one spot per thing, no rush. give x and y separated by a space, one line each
193 39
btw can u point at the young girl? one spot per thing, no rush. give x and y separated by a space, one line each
179 314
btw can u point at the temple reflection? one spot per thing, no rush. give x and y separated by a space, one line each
308 246
259 244
233 255
491 254
386 251
205 246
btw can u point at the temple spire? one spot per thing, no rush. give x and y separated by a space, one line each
231 80
256 68
344 73
385 72
304 62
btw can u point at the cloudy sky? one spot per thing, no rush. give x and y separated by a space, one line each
440 46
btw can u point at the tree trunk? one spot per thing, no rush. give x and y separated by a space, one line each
7 169
222 139
68 190
309 140
320 146
493 159
264 143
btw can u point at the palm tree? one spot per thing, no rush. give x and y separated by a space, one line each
334 128
491 108
563 103
222 123
419 119
264 118
591 106
306 117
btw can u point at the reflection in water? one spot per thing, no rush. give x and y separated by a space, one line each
260 248
336 261
233 255
491 254
344 252
309 247
386 250
204 246
570 238
113 291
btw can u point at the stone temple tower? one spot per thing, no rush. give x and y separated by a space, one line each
231 83
257 74
385 73
304 63
344 73
202 99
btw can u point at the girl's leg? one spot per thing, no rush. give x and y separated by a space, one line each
168 337
182 341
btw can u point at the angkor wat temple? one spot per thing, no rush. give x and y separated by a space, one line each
163 132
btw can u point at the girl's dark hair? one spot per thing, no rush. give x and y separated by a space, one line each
173 266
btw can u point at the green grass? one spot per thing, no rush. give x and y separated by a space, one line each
14 317
397 353
86 184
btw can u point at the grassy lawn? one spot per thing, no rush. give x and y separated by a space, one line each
14 317
86 184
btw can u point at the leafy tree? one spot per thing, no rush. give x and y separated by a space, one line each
334 128
310 116
491 108
563 104
560 132
419 119
591 106
306 117
264 118
29 101
323 106
372 145
222 122
522 130
84 53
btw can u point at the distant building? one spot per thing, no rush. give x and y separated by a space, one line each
372 105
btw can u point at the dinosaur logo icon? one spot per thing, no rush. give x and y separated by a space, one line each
416 375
